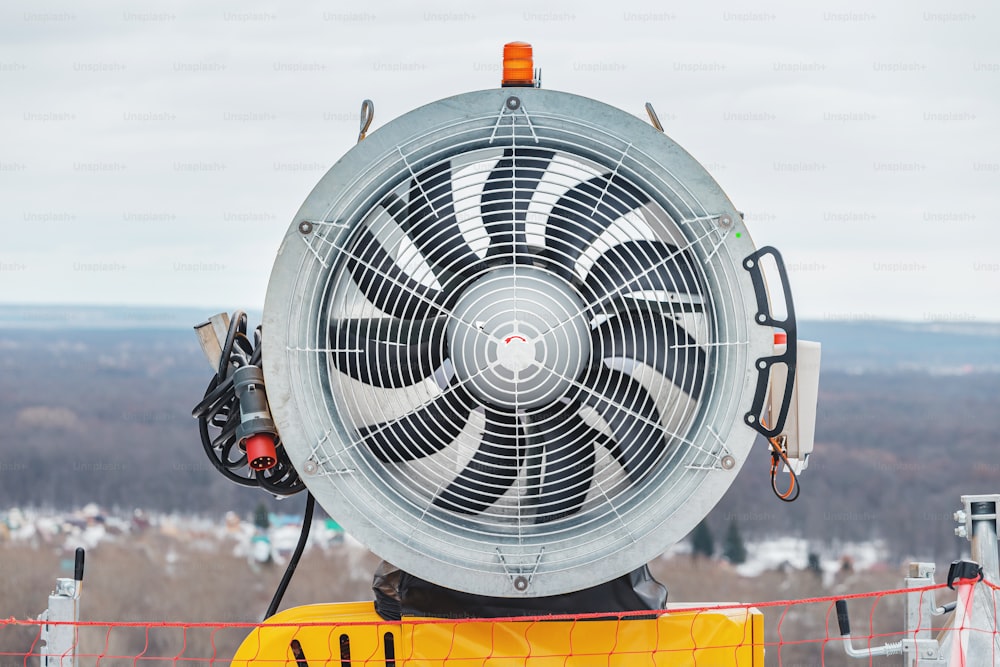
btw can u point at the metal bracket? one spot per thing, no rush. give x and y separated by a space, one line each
511 107
520 576
919 646
212 335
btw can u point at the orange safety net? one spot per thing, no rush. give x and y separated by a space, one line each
796 633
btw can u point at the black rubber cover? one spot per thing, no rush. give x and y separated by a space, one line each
399 594
843 620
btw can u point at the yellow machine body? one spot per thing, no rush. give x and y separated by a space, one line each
353 634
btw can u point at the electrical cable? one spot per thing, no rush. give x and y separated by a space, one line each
294 560
218 416
778 455
219 412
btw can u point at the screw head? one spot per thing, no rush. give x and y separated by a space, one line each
513 103
521 583
725 221
305 227
310 467
65 587
728 462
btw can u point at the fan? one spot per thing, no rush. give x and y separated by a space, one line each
512 342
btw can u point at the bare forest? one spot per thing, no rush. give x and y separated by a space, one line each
102 415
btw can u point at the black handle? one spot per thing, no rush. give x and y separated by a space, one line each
766 318
842 619
78 565
944 609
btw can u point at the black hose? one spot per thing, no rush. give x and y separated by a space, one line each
294 560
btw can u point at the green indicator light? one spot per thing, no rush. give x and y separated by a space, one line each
739 234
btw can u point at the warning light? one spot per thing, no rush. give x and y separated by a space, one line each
518 65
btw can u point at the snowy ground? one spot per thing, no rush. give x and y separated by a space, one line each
91 526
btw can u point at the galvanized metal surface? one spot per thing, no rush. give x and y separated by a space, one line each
59 634
385 507
972 638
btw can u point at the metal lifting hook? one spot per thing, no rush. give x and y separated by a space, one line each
367 114
653 118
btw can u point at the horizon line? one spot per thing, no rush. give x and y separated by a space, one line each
843 317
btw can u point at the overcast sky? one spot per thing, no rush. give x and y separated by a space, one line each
154 153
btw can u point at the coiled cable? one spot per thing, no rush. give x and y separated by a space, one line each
218 416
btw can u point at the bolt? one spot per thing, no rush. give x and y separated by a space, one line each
728 462
513 103
305 227
960 516
521 583
725 221
310 467
961 532
65 587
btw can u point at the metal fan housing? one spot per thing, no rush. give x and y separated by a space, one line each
509 341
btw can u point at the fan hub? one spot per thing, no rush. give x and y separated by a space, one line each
518 337
516 353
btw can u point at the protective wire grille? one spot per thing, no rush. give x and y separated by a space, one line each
529 345
501 310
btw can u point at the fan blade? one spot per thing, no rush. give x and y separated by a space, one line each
431 224
631 414
386 285
654 339
491 471
422 432
506 195
644 266
584 212
568 446
388 353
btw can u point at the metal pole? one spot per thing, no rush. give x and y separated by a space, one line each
60 634
983 514
972 638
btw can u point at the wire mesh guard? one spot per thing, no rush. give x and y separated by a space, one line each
507 342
